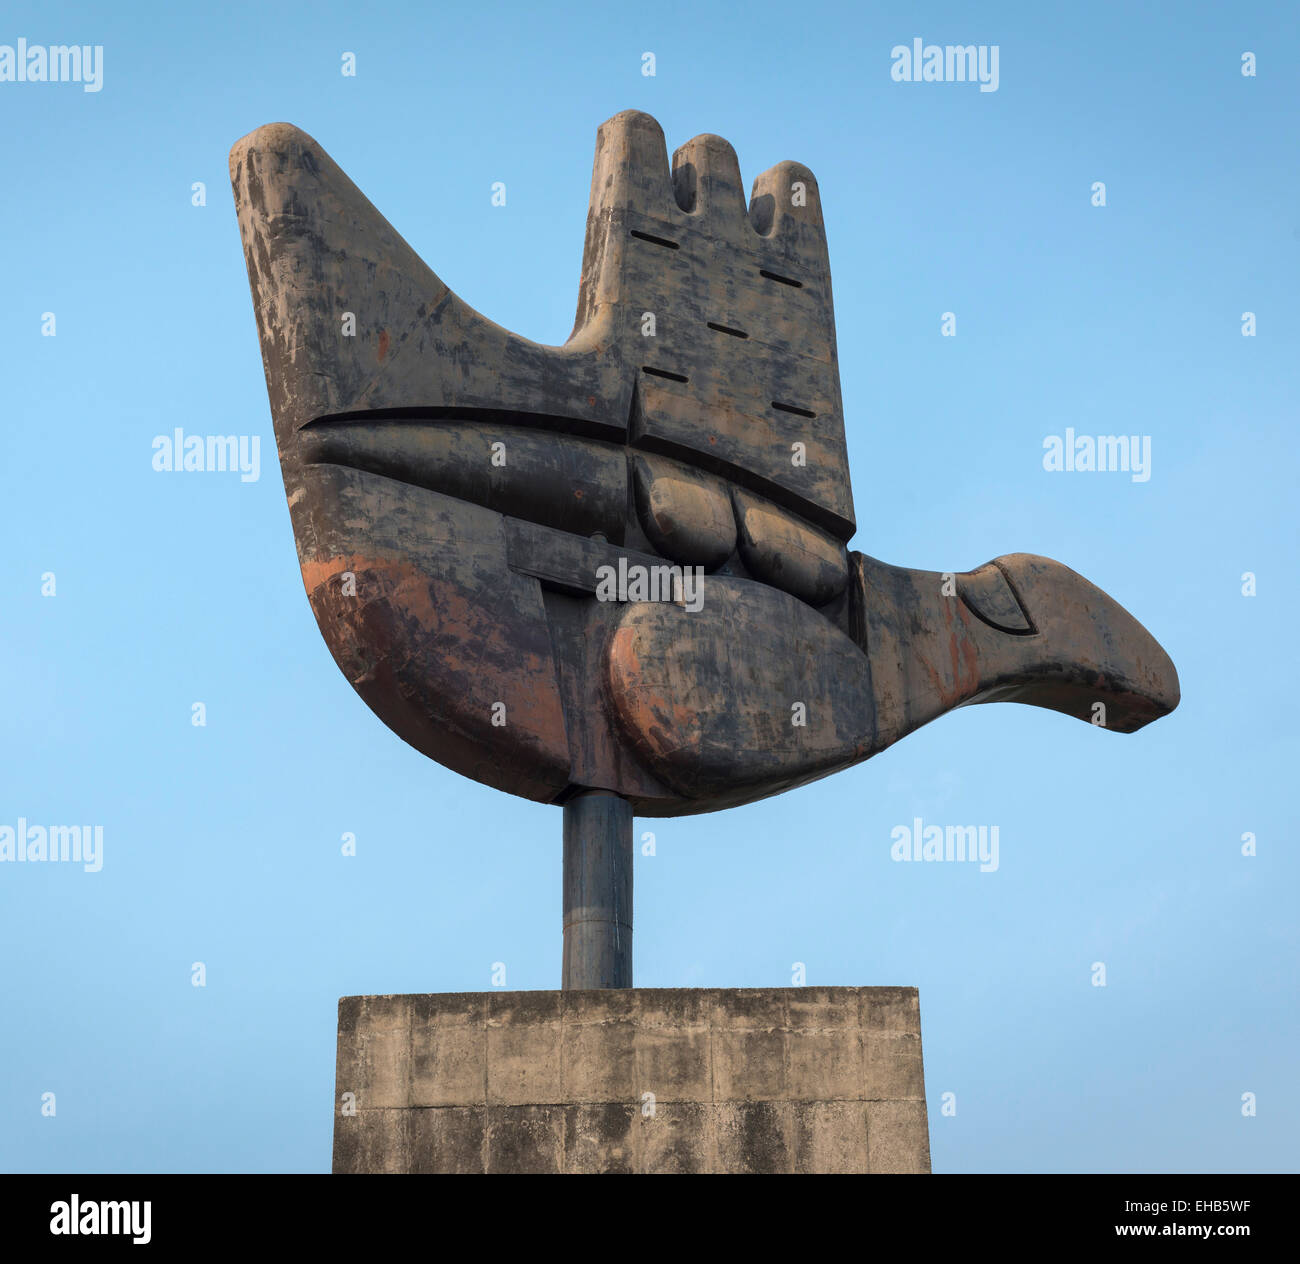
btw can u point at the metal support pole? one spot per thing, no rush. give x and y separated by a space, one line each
597 891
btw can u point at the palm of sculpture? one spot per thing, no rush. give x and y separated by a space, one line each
455 491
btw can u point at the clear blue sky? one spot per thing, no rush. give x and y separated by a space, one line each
222 844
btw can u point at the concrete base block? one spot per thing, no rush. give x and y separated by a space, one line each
633 1080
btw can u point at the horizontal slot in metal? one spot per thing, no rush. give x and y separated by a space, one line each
658 241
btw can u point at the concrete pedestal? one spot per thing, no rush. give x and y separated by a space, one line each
816 1079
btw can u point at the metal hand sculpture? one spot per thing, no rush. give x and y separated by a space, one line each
461 497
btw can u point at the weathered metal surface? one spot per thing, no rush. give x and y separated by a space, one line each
597 892
577 485
686 514
461 496
797 689
781 550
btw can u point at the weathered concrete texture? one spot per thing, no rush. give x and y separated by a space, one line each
743 1080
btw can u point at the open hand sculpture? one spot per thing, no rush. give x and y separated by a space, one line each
483 522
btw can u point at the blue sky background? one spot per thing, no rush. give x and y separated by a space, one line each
222 844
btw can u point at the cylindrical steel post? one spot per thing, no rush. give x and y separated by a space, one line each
597 892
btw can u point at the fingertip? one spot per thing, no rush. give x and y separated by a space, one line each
283 139
631 165
784 199
706 178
